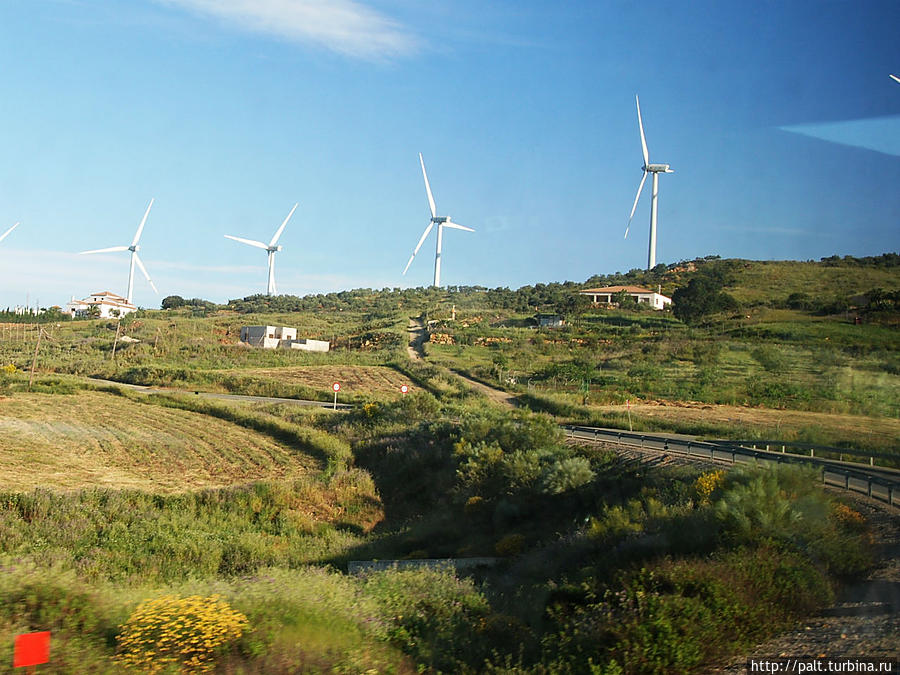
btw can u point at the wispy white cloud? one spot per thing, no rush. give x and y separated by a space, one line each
881 134
343 26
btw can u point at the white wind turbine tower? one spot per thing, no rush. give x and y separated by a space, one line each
5 234
655 169
441 222
135 259
271 249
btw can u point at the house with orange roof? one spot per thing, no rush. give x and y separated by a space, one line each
607 295
108 304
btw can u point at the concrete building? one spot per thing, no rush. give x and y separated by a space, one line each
273 337
308 345
607 295
108 304
550 321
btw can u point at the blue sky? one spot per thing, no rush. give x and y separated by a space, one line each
779 119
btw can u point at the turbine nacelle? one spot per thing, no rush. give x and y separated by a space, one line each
439 220
274 249
657 168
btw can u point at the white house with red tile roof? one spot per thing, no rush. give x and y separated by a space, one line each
108 303
607 295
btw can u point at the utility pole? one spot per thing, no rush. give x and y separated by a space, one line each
34 360
116 340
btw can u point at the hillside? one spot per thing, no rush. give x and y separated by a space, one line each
600 561
92 439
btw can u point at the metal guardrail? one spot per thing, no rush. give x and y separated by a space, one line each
813 448
860 480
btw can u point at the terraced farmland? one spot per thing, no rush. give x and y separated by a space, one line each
92 439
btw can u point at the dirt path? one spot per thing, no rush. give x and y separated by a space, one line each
416 338
497 396
416 352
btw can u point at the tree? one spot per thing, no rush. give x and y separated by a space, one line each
173 302
703 295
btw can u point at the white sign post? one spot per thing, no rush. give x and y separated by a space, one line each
628 407
336 387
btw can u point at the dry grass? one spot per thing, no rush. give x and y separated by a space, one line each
881 432
353 379
92 439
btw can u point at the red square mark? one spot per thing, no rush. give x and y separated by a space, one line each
31 649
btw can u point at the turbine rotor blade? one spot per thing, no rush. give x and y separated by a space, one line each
8 231
111 249
144 270
634 206
419 245
457 226
249 242
427 187
895 78
641 125
281 229
137 235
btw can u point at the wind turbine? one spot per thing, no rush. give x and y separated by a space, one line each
271 248
895 78
135 259
441 222
655 169
4 235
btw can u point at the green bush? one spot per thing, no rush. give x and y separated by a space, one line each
432 614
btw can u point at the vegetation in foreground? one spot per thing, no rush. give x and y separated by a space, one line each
603 566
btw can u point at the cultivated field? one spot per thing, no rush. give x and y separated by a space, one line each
92 439
354 380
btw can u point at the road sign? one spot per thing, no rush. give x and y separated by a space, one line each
31 649
336 387
404 389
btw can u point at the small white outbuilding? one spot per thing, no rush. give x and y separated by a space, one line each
273 337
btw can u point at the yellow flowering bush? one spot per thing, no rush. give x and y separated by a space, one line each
9 369
708 483
848 517
171 630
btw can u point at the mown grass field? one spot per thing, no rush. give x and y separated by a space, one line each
94 439
354 380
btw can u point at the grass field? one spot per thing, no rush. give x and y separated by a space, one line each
790 425
93 439
354 380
